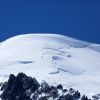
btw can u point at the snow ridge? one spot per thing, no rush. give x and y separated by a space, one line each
53 57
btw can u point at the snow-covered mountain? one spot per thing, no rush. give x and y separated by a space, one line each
55 58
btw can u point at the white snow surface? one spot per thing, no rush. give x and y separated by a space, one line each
54 58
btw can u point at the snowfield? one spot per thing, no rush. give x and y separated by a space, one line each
57 59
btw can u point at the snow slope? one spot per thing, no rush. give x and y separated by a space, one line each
54 58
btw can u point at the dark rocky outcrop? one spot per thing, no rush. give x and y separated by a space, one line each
22 87
84 97
60 86
17 87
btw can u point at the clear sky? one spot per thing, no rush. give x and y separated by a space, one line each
75 18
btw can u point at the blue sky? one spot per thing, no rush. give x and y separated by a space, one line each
76 18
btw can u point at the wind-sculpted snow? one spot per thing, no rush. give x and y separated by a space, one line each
55 58
24 62
95 47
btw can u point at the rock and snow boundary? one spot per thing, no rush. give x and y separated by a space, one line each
57 59
22 87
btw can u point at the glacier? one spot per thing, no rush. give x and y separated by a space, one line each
55 58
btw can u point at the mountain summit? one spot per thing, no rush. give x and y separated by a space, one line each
55 58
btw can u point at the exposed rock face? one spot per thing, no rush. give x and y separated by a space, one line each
17 87
22 87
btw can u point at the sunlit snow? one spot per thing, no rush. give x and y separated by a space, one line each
54 58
